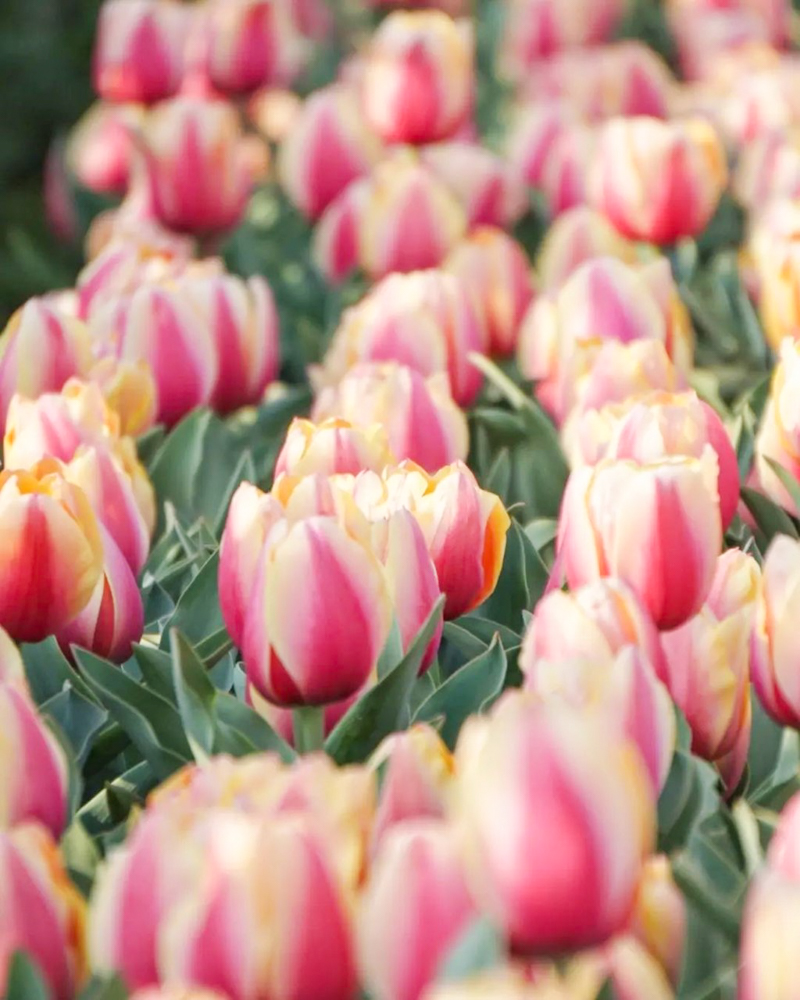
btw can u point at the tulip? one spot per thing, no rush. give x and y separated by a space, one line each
282 720
534 136
775 256
495 268
784 848
418 772
197 164
139 52
576 237
415 906
244 43
335 246
332 447
778 438
769 936
52 553
418 79
421 419
551 803
768 170
409 219
489 191
40 349
175 993
659 916
426 320
658 181
656 526
565 173
12 669
129 389
100 148
328 145
32 763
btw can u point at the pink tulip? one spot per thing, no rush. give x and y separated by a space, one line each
335 248
658 181
42 912
778 437
327 146
421 419
656 526
558 816
100 147
244 40
761 99
176 993
332 447
282 721
494 267
139 53
565 173
659 916
129 389
415 906
575 238
534 135
418 79
768 170
771 913
426 320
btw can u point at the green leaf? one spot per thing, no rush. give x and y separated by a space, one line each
49 671
177 464
196 695
80 855
156 668
104 988
770 519
468 691
385 708
240 730
680 802
198 614
788 481
114 802
521 583
24 981
479 948
392 652
79 718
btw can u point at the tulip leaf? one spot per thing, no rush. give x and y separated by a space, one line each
104 988
770 519
103 810
392 652
385 708
24 980
156 668
479 948
197 614
176 465
680 802
195 694
48 672
521 583
788 481
78 718
80 855
468 691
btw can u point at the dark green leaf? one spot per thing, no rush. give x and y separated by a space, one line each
479 948
196 695
198 613
24 981
78 718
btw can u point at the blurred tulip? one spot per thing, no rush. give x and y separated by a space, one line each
557 796
495 269
42 912
535 132
768 947
327 146
100 147
52 552
761 100
129 389
59 204
39 350
197 164
426 320
566 170
768 169
243 39
421 420
418 773
12 669
139 51
656 526
175 993
778 438
773 255
486 187
33 764
658 181
335 246
658 920
574 238
415 906
332 447
418 79
409 219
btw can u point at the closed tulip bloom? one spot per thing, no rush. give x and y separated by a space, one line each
566 171
768 170
778 438
556 795
197 164
140 48
327 146
536 130
244 43
40 349
176 993
414 907
658 181
52 552
418 79
421 419
659 916
32 763
409 219
100 147
656 526
332 447
42 912
767 965
574 238
129 389
512 982
494 267
335 247
426 320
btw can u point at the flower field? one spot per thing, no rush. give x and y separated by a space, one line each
400 500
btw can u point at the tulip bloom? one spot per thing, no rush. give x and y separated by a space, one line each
560 796
778 437
418 79
769 938
565 173
328 145
33 765
658 181
244 43
656 526
129 389
494 267
335 249
40 349
52 552
426 320
534 135
140 49
100 148
421 419
415 906
768 170
574 238
332 447
659 916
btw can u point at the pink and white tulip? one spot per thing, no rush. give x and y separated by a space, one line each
574 238
332 447
778 439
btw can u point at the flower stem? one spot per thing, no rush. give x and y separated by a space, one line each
309 728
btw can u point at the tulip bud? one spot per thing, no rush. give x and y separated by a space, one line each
426 320
52 552
39 350
421 419
332 447
494 267
565 173
489 191
656 526
244 43
100 148
769 938
32 763
139 52
567 782
197 164
415 906
575 238
778 437
768 170
659 916
42 913
129 389
658 181
409 219
336 237
327 146
418 80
